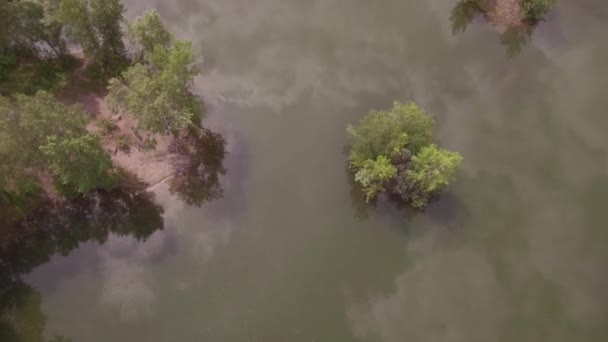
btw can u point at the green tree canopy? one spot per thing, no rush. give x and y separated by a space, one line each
385 133
27 26
148 31
96 26
158 94
392 151
41 116
373 175
74 14
79 164
430 171
535 9
40 134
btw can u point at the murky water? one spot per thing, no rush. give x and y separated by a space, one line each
516 251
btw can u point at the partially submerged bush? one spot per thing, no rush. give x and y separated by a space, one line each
392 151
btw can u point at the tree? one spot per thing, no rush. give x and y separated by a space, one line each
27 24
52 30
96 26
392 151
79 165
431 170
74 15
42 116
385 133
158 94
106 18
374 174
148 31
29 27
40 134
12 184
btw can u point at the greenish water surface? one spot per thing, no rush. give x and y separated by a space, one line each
516 251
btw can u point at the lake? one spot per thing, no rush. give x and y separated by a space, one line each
515 251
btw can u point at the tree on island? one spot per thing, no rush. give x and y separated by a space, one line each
393 152
516 19
157 90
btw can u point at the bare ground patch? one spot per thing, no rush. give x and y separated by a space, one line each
150 166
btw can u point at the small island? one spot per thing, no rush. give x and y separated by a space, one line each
393 152
514 19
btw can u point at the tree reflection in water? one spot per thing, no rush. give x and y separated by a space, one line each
52 230
59 229
513 38
197 178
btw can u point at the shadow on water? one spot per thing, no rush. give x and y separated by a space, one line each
59 230
197 179
513 38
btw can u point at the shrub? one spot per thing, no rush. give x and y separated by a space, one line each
393 151
123 144
374 174
430 171
106 125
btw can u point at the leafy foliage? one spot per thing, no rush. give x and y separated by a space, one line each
29 28
74 14
106 125
158 94
148 31
535 9
373 175
79 165
431 170
96 26
39 134
392 150
385 133
42 116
